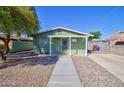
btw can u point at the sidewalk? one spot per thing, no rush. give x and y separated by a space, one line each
64 74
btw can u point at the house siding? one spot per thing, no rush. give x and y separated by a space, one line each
41 43
119 37
56 46
78 47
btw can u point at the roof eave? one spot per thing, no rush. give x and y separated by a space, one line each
64 29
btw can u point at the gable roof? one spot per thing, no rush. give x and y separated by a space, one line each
67 29
115 34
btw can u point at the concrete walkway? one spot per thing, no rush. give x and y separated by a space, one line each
64 74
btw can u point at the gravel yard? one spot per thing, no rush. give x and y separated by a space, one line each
30 72
93 75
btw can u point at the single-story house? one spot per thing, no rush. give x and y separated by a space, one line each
117 38
61 40
18 44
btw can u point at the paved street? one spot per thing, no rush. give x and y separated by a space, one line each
64 74
113 63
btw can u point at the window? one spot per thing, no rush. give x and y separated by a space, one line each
74 40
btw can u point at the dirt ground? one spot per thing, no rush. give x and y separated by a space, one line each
26 72
93 75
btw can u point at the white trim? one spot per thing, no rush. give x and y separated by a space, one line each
82 33
61 45
71 30
69 46
86 45
66 36
50 47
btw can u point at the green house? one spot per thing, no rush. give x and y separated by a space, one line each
61 41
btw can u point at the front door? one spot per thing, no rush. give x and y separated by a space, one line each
64 45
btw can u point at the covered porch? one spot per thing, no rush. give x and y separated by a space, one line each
68 45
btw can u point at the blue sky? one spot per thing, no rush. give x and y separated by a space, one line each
87 19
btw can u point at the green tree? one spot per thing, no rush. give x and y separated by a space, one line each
96 35
16 20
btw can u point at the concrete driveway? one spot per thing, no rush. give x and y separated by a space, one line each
112 63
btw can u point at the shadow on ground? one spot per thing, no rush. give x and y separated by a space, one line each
32 61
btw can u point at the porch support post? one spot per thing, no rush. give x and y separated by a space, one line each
50 46
69 46
61 45
86 45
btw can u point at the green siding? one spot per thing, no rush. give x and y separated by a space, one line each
57 32
21 46
41 42
41 45
56 46
78 47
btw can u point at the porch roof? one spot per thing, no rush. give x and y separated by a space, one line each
67 36
67 29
